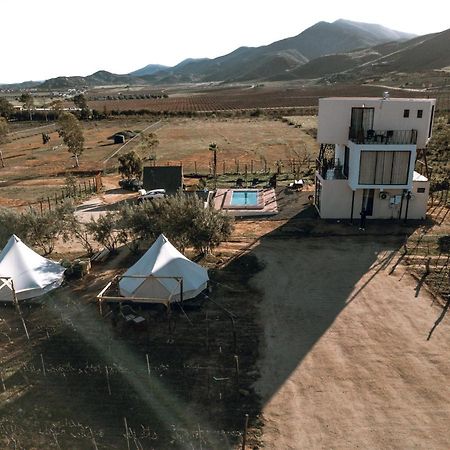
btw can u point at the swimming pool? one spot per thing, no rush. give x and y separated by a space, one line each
244 198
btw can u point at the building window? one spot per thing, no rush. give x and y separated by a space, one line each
406 113
384 168
419 113
421 190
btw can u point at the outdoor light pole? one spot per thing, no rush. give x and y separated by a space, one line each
213 148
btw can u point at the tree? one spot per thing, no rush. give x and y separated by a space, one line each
3 136
10 223
130 165
148 145
6 108
211 227
71 132
105 231
43 230
28 102
80 102
183 219
57 106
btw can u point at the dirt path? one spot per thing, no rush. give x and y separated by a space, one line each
346 362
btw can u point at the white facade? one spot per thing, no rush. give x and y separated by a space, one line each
375 142
335 117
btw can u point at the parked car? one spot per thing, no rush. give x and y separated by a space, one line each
151 195
130 184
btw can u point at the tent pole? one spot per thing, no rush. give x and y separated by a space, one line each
16 302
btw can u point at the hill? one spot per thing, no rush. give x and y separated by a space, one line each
253 63
100 78
150 69
421 54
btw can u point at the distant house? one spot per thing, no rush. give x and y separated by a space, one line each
169 178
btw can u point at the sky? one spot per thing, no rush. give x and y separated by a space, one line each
42 39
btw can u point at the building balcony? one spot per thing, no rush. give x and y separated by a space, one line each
330 169
383 137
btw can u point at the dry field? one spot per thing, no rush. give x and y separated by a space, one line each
33 170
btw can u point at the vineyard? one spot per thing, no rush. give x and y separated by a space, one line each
242 98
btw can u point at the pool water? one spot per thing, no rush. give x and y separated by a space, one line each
244 198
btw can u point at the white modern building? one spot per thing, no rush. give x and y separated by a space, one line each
368 150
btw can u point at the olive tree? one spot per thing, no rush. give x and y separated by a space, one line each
42 230
182 218
105 231
72 133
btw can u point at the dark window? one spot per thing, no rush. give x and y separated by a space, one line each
361 121
421 190
406 113
419 113
346 160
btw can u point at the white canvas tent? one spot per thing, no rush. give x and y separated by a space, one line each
156 277
32 274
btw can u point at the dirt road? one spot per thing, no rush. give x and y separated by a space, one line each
346 362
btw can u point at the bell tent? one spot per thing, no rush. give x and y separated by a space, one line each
32 275
159 275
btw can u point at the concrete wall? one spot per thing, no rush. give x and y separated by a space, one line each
336 201
335 115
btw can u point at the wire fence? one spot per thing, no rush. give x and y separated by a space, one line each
76 191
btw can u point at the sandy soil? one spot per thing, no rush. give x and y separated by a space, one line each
346 362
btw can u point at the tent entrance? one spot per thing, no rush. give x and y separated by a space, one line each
113 287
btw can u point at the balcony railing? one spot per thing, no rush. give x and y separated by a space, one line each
330 169
386 137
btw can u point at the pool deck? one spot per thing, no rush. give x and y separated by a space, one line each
267 203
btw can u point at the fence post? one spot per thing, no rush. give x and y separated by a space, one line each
40 204
49 204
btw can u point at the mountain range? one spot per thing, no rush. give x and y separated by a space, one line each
342 47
